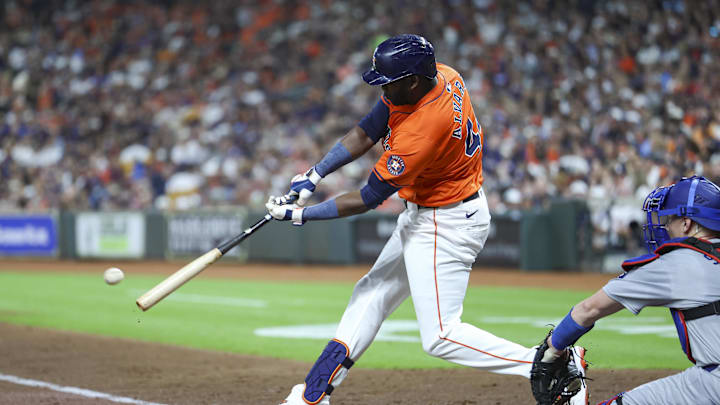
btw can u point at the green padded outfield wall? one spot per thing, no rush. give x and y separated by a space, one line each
556 238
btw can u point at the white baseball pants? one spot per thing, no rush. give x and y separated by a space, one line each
429 257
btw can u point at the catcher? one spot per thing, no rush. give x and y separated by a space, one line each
681 273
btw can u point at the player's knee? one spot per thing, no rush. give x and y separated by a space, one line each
432 349
434 346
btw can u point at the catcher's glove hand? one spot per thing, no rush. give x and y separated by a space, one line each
554 383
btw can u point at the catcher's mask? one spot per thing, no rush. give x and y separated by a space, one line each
693 197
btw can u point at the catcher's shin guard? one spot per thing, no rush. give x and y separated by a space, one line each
327 368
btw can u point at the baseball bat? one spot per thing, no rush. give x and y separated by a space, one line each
192 269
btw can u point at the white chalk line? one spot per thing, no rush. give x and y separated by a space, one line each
73 390
390 331
406 330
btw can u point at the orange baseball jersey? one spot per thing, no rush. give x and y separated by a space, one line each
433 149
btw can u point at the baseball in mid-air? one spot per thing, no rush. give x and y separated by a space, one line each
113 275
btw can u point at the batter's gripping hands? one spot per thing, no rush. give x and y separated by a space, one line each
556 382
302 186
279 210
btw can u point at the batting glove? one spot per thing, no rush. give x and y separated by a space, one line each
302 186
284 212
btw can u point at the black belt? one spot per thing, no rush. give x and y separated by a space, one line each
710 367
712 308
472 196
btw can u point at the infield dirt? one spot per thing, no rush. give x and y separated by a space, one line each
177 375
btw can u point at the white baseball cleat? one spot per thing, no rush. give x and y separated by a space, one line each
296 397
583 395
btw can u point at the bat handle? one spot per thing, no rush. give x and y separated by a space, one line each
226 246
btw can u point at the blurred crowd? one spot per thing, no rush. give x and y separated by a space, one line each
111 104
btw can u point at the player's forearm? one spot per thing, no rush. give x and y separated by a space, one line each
581 319
351 204
354 144
344 205
595 307
357 142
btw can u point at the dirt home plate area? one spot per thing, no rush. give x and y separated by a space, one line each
42 366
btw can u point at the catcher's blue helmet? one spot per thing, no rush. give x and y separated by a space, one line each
693 197
399 57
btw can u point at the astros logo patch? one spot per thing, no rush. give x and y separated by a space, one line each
395 165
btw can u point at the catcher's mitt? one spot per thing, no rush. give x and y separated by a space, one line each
554 383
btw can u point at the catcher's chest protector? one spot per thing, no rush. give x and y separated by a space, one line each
712 252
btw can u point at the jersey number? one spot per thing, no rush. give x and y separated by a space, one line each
472 139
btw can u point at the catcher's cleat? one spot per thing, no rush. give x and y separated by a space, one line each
582 396
575 391
296 397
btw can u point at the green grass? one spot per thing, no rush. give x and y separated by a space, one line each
84 303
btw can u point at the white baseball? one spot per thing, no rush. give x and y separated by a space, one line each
113 275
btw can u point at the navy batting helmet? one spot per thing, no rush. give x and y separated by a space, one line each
693 197
399 57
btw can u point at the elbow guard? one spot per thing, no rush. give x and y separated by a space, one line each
375 123
370 197
376 191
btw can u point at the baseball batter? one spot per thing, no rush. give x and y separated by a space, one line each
681 273
433 158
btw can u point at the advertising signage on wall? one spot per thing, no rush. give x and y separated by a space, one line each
110 234
28 235
371 234
193 233
502 247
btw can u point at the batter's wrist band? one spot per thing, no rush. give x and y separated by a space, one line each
314 176
325 210
297 216
336 158
568 332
